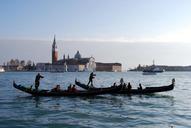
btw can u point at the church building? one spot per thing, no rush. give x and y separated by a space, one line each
76 64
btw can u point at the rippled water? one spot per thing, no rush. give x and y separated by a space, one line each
161 110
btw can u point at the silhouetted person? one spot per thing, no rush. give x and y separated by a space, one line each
73 88
129 86
56 88
37 81
91 77
140 87
124 86
121 81
114 84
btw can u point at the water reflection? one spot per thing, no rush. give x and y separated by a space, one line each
110 100
37 101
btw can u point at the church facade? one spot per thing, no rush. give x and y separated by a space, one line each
75 64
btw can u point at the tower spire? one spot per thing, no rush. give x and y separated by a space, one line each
54 51
54 43
54 38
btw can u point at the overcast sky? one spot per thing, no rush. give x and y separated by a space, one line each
126 31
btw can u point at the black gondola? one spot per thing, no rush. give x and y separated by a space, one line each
146 90
65 92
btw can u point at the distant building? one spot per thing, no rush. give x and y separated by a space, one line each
17 65
76 64
43 67
109 67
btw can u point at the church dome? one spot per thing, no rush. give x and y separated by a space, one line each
77 55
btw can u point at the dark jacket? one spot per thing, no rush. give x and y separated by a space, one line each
37 79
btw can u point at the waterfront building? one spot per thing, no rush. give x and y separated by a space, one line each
43 67
76 64
17 65
109 67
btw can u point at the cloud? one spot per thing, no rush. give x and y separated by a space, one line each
178 35
181 34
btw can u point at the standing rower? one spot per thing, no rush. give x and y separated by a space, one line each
91 77
37 81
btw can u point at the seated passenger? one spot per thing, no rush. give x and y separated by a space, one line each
129 86
121 81
114 84
140 87
73 89
124 86
56 89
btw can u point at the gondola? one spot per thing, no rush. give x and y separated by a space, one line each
33 92
123 90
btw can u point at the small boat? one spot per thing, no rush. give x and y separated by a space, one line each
146 90
33 92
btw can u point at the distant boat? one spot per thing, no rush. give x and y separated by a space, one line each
158 70
2 69
152 70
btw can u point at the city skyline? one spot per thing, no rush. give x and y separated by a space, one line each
109 30
130 56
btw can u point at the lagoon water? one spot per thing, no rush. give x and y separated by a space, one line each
161 110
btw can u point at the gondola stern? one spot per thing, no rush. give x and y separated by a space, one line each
173 81
14 84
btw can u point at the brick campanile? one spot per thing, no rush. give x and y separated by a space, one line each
54 51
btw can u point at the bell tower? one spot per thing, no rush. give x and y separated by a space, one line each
54 51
